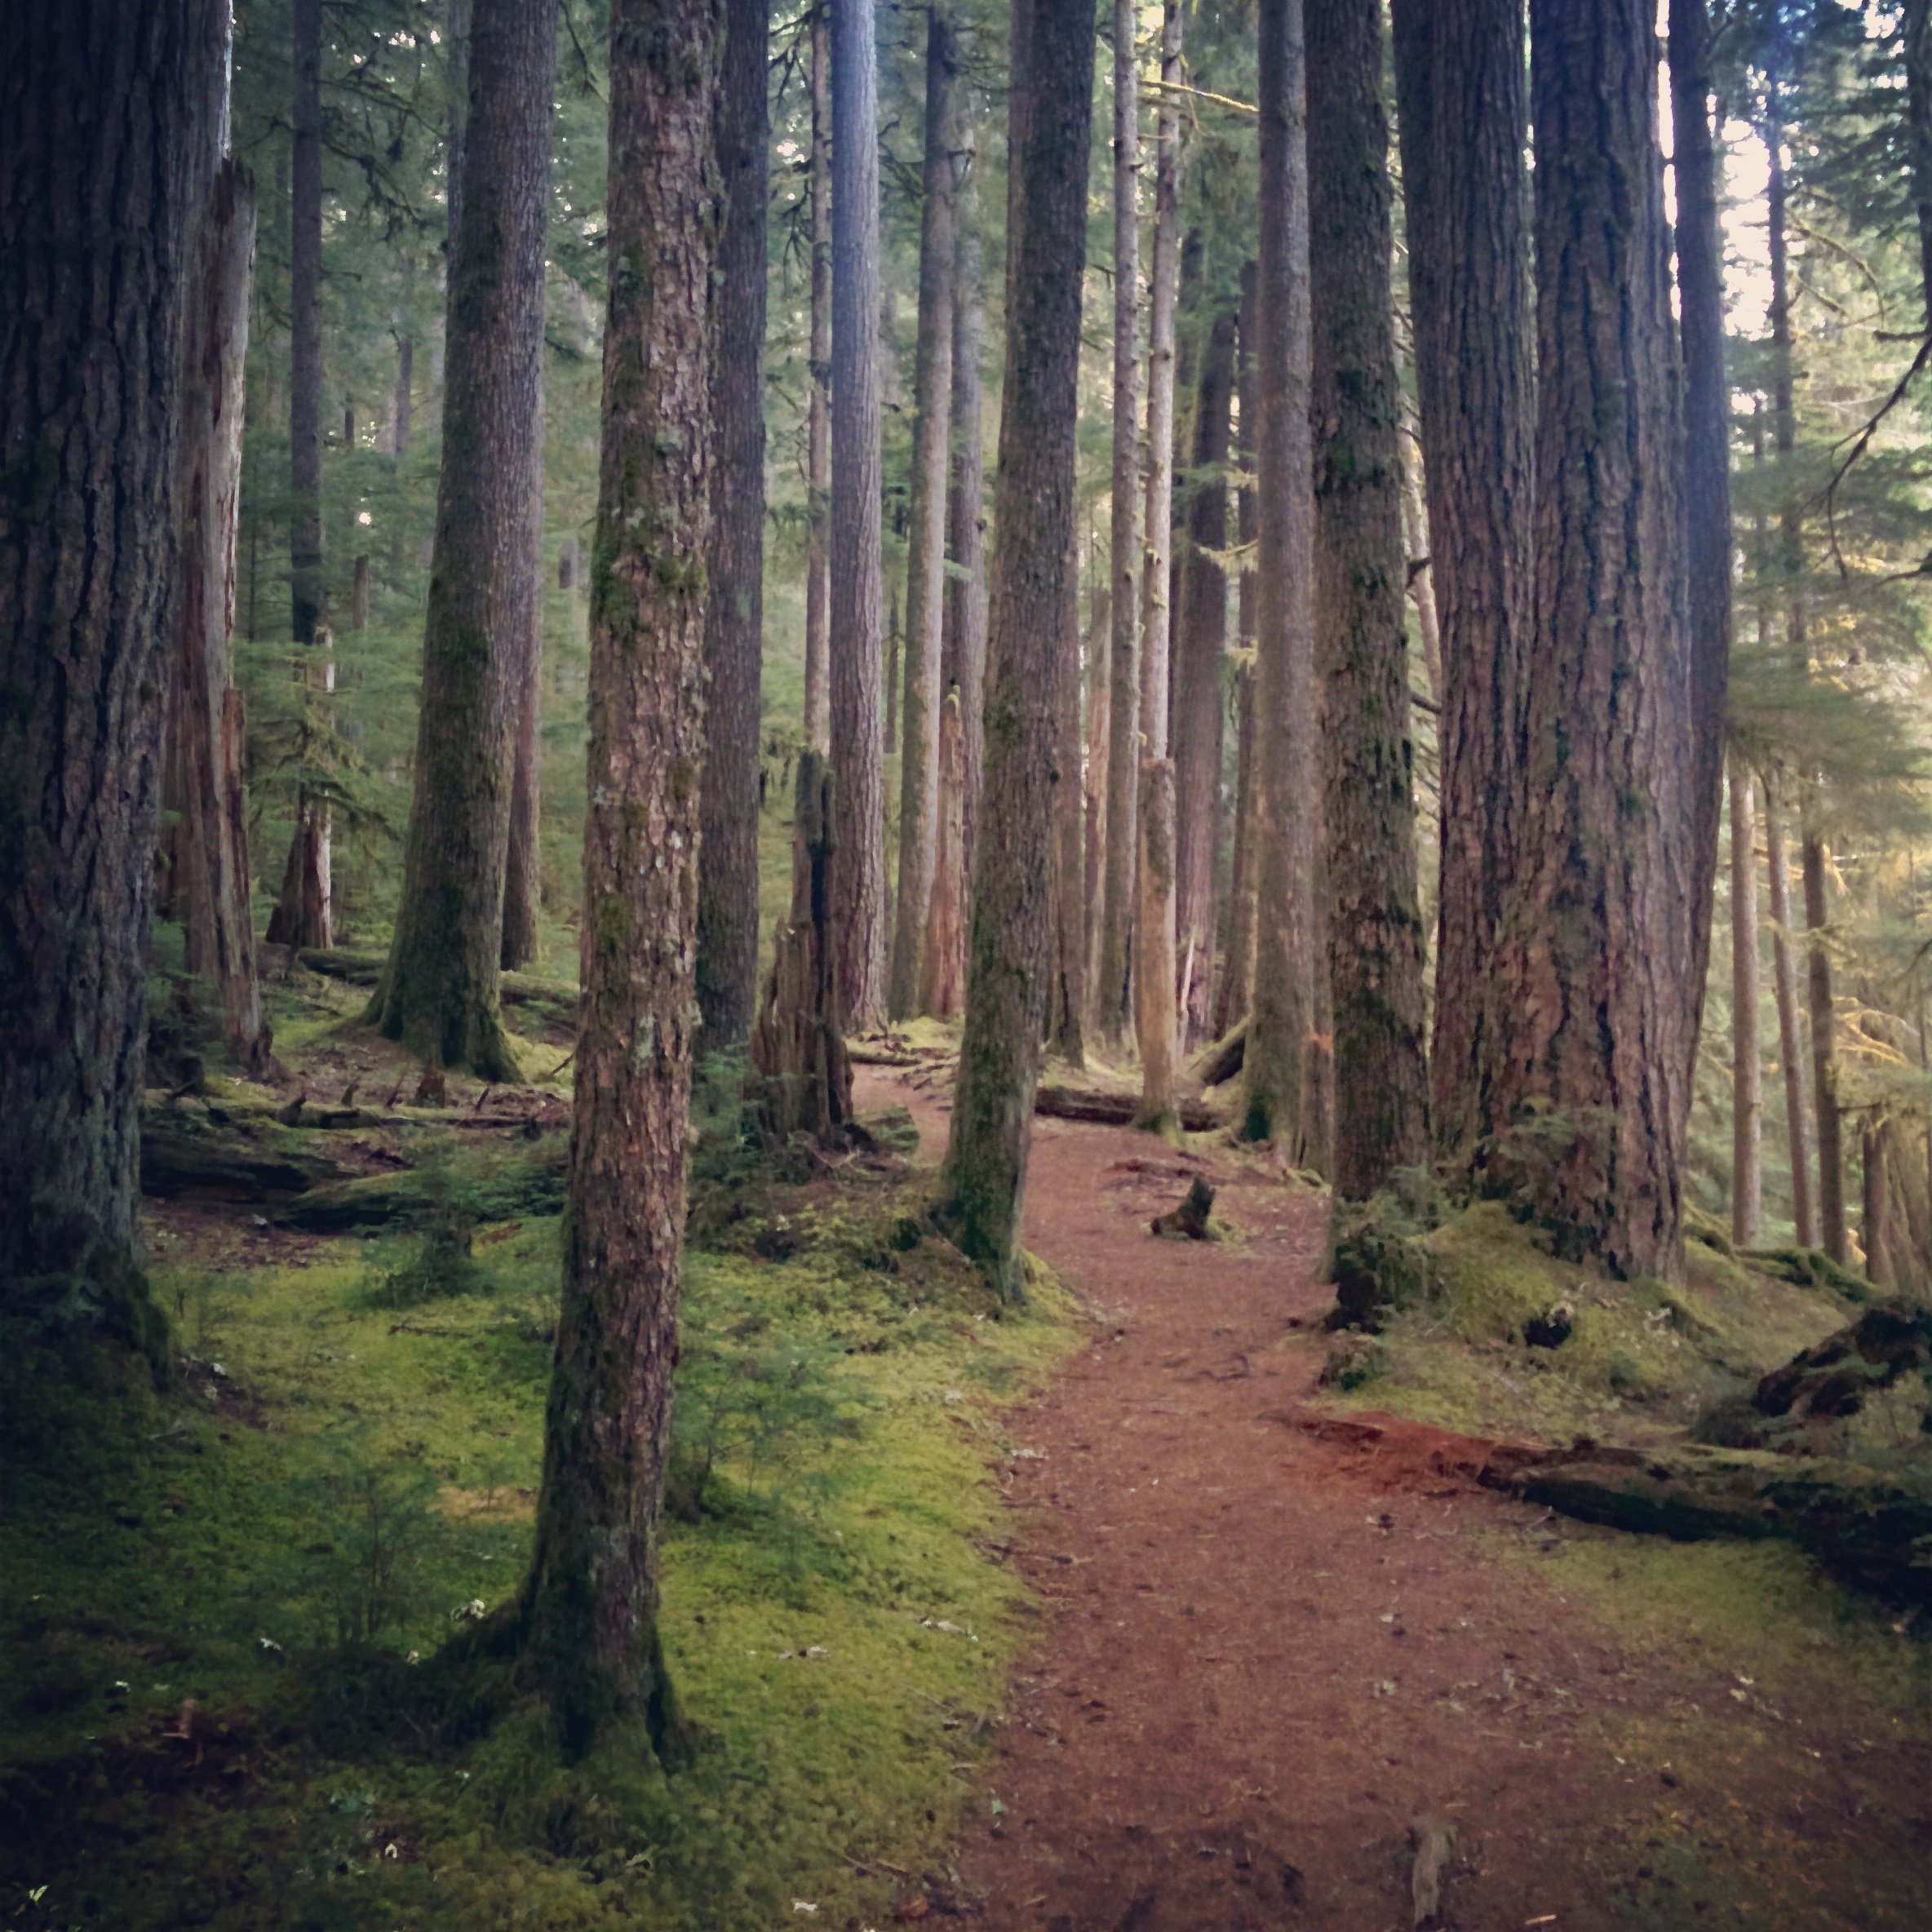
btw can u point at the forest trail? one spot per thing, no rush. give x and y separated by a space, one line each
1268 1655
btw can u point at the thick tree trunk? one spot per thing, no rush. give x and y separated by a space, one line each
523 857
204 741
1791 1036
734 623
1833 1233
109 124
983 1184
1374 936
1875 1215
1747 1066
1068 1007
1287 721
1597 1020
589 1611
925 564
303 914
1464 118
1200 689
1706 462
818 432
1125 546
1235 987
1154 963
857 625
440 994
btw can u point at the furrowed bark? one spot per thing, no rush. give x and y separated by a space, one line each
1098 668
1068 1007
818 433
99 247
734 623
589 1611
1746 1067
925 567
1287 721
439 996
983 1182
1791 1040
523 857
1833 1233
1374 937
856 635
1464 116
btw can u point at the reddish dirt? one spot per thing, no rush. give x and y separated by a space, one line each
1269 1652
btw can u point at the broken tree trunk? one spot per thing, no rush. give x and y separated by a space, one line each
1190 1220
803 1079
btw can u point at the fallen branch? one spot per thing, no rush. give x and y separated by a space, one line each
1114 1109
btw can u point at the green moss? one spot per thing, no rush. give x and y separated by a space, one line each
354 1478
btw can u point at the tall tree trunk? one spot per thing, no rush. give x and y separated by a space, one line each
1876 1208
1706 462
1918 95
818 432
857 625
1375 941
589 1611
439 993
1747 1065
963 670
1154 962
1200 687
1834 1233
734 621
204 746
523 857
983 1183
1596 1021
405 360
1464 118
1236 984
1791 1035
303 913
1124 545
1287 723
925 563
1099 675
109 138
1068 1007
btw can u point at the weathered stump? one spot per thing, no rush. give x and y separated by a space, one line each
802 1079
1191 1219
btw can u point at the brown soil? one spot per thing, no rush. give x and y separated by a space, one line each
1270 1651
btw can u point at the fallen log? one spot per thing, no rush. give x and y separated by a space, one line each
1222 1059
530 1184
187 1155
364 970
1115 1109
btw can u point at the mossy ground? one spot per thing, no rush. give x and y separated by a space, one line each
349 1467
1641 1358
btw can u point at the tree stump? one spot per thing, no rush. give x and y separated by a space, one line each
802 1079
1190 1218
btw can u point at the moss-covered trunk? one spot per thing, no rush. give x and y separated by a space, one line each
589 1611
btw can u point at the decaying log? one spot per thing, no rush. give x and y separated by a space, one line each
526 1184
1190 1219
1115 1109
364 970
183 1153
1223 1058
802 1082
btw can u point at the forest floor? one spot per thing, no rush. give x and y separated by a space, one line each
1280 1654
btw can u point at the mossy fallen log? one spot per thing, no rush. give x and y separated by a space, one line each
523 1184
364 970
184 1152
1870 1526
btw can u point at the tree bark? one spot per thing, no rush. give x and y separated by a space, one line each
1420 568
204 742
983 1183
1918 95
110 138
734 620
1287 721
1200 686
1747 1066
1596 1021
1875 1216
1707 463
856 635
1068 1007
523 857
1375 937
1236 986
1154 962
439 996
1125 538
1099 676
925 564
818 435
1791 1039
589 1611
405 357
1833 1233
1464 116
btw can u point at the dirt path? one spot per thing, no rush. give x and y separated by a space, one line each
1268 1655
